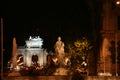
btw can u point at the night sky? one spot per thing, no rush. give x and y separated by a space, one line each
70 20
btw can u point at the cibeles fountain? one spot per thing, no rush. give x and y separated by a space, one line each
61 58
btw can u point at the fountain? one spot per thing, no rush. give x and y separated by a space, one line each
61 58
14 55
105 59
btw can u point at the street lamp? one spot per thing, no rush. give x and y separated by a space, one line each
118 2
1 49
116 52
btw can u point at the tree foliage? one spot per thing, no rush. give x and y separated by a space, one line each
78 49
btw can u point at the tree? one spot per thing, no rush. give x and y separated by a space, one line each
78 50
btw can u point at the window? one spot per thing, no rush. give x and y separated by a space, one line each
118 22
112 49
118 54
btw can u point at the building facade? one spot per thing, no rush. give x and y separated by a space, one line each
109 58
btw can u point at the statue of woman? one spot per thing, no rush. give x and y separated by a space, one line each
59 46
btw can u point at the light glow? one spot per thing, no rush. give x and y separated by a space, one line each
17 67
117 2
55 60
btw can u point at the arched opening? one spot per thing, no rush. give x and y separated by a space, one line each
112 49
34 60
118 54
118 58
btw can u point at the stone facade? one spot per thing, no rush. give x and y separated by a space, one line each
110 31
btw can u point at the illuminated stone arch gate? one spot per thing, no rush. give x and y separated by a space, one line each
33 47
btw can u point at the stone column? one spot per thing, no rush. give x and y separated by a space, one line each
28 60
44 58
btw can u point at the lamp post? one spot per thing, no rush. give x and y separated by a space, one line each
1 49
116 53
